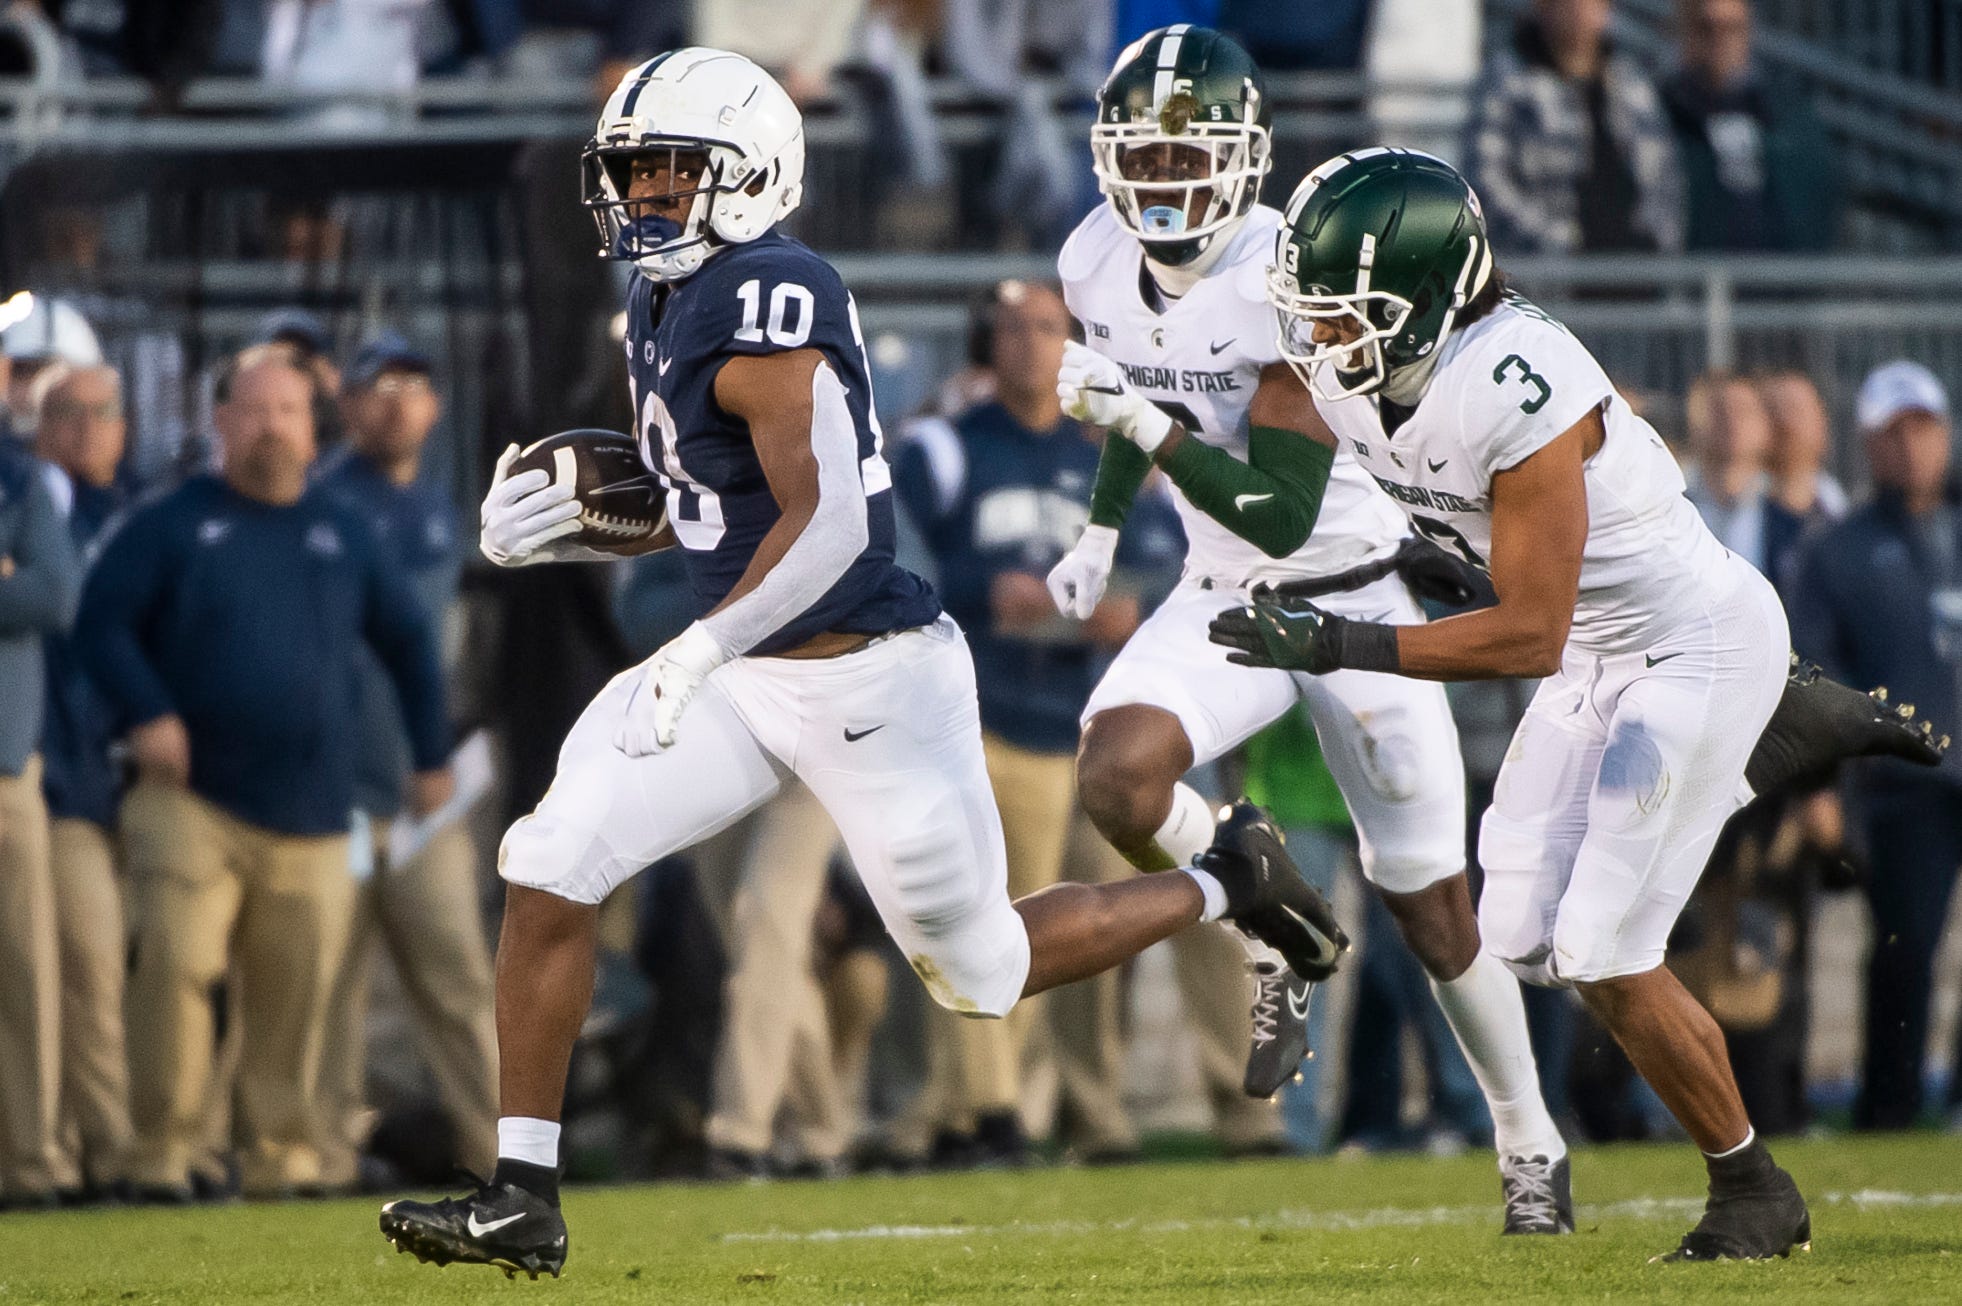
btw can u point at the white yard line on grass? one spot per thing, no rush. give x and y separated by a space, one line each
1382 1217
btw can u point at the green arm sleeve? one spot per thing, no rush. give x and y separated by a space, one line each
1120 471
1271 500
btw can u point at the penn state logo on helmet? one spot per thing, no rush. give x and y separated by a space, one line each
694 148
1181 140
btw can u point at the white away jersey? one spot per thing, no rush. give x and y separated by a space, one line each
1504 388
1200 361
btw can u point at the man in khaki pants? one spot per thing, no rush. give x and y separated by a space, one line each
39 575
223 622
81 431
425 913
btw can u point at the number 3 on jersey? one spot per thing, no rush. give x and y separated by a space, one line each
1542 391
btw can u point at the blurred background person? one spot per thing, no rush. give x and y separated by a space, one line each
1879 602
222 622
1001 492
424 913
1569 147
40 331
1801 446
40 576
1759 171
80 428
1729 481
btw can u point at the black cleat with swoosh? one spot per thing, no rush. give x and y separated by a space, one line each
1280 1029
500 1224
1266 896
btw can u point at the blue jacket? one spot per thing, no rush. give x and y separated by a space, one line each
37 595
77 776
992 496
417 528
1862 605
245 619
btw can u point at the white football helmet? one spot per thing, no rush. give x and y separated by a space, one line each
716 118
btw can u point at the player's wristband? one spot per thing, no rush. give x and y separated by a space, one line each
1364 645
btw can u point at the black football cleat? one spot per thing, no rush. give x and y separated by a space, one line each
1280 1029
1819 723
1749 1223
1266 896
504 1225
1539 1194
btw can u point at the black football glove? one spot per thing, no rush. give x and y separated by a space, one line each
1437 575
1291 634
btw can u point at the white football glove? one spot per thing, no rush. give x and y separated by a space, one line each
525 515
1077 582
667 682
1093 389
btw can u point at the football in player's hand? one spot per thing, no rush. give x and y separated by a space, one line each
622 506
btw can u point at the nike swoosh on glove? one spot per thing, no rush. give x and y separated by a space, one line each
523 514
1093 389
1077 582
666 685
1294 635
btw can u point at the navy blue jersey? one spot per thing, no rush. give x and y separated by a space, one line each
770 295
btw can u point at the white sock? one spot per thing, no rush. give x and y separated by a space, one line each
528 1139
1750 1137
1188 829
1484 1009
1187 832
1214 891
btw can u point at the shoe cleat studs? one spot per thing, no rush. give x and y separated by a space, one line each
1880 694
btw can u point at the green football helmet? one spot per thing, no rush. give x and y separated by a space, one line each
1181 140
1382 248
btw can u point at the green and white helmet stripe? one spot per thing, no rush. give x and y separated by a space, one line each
1191 87
1384 246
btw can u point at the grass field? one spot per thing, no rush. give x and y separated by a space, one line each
1887 1218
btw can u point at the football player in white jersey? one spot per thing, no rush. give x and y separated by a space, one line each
1664 655
1168 280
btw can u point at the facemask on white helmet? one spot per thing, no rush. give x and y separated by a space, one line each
695 149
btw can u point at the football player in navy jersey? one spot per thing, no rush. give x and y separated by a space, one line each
814 655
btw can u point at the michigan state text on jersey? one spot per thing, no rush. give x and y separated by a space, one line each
1180 360
813 654
1663 654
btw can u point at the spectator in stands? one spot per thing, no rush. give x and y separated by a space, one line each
598 39
41 331
223 622
1801 443
1759 170
1879 602
1570 149
424 912
39 577
81 431
1730 447
1421 54
1000 492
801 44
1289 38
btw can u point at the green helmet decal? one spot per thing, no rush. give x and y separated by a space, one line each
1181 140
1381 249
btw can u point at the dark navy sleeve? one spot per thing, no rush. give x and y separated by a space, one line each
787 299
404 638
124 592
